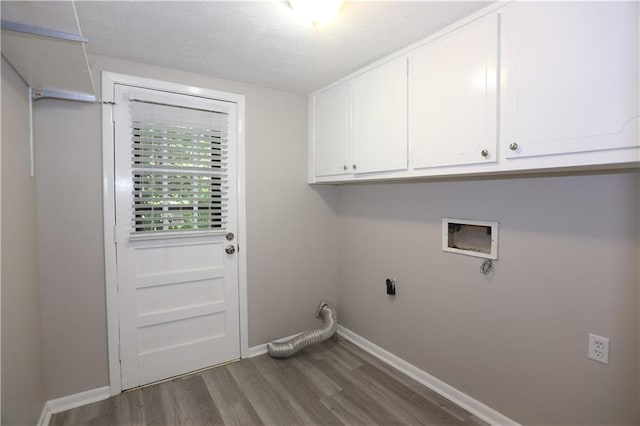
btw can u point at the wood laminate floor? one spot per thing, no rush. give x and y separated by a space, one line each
333 383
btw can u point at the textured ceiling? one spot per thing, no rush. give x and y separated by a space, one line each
263 42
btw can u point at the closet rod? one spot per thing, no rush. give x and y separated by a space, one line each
62 94
44 32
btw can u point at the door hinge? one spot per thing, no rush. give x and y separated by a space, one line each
115 234
119 353
113 111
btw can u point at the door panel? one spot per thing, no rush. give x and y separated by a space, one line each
453 97
332 130
379 108
178 296
571 77
165 296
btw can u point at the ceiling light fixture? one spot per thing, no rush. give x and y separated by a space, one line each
317 12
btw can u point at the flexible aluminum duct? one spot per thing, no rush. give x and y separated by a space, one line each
308 338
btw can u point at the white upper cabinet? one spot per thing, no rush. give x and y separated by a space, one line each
453 98
331 130
521 87
360 126
571 77
379 118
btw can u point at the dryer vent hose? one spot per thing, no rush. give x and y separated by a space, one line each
308 338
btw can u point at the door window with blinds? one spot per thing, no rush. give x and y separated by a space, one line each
178 168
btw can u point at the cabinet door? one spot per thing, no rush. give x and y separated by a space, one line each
453 97
379 114
332 130
571 77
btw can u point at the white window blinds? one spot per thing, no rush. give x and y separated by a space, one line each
179 168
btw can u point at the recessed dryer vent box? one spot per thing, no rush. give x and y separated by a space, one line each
471 237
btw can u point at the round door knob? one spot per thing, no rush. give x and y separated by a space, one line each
513 146
230 249
344 167
484 153
354 167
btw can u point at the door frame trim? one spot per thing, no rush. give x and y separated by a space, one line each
109 80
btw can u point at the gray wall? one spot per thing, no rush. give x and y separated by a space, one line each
517 340
22 368
68 172
291 233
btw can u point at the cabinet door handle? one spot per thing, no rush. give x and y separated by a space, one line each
354 167
513 146
344 167
484 153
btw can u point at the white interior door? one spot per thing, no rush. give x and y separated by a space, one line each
176 230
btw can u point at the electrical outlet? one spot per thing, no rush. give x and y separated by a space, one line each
599 348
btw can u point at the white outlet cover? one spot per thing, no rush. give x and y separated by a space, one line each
598 348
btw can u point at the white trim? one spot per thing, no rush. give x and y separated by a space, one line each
31 153
65 403
108 203
311 137
463 400
242 231
45 416
258 350
109 80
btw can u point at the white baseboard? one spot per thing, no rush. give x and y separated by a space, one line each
474 406
262 349
65 403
